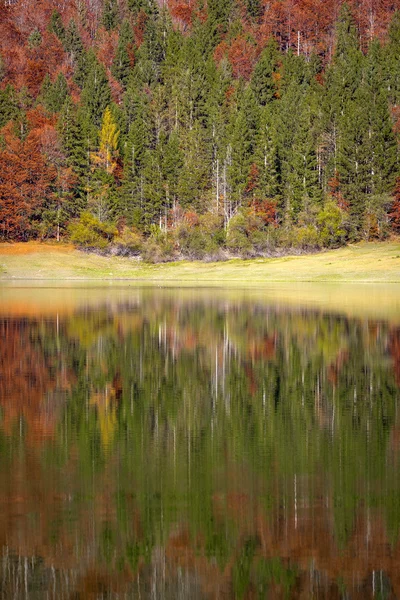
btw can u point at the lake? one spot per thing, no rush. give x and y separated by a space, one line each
168 443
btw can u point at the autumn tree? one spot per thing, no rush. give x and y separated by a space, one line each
25 182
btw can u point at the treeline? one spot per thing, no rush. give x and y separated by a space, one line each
163 137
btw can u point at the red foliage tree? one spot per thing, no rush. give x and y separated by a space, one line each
394 214
25 180
336 194
242 55
265 209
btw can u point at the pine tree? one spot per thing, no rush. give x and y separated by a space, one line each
243 143
392 60
220 13
56 26
302 189
73 42
123 60
343 78
110 14
254 8
8 105
172 163
53 95
136 149
265 74
96 93
193 180
266 158
77 155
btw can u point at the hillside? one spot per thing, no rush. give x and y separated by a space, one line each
237 125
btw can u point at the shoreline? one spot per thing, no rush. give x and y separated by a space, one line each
365 262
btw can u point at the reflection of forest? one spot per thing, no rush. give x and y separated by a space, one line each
199 450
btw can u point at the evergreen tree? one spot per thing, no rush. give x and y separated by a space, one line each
172 162
254 8
392 60
193 179
56 26
123 59
243 145
96 93
73 42
8 105
53 95
264 79
149 7
267 159
220 13
302 189
136 146
343 78
110 14
76 152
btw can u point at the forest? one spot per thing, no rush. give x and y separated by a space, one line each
199 129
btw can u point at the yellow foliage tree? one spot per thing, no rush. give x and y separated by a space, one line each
105 157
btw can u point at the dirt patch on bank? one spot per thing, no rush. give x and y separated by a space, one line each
23 248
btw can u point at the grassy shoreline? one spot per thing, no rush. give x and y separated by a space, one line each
377 262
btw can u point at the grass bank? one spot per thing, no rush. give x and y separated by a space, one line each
363 262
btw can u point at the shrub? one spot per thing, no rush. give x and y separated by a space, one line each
306 237
159 247
375 223
331 222
89 232
129 241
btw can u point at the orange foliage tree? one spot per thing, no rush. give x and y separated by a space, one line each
25 180
394 215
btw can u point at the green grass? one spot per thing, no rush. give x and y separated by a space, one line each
364 262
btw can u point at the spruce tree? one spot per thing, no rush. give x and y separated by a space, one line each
8 105
392 60
56 26
77 156
110 14
123 59
53 95
264 80
73 42
96 93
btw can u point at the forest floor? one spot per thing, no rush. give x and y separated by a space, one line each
362 262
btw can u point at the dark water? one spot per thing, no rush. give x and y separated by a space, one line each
161 444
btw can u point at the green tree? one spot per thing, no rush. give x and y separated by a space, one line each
56 26
265 74
123 60
96 93
53 95
110 14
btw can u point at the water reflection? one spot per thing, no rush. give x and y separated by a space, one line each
168 446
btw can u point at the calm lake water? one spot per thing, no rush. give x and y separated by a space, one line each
199 444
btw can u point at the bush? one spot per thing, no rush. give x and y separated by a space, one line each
306 237
89 232
331 225
201 237
159 247
248 234
375 223
128 242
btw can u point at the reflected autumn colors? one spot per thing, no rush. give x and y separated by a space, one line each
170 445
